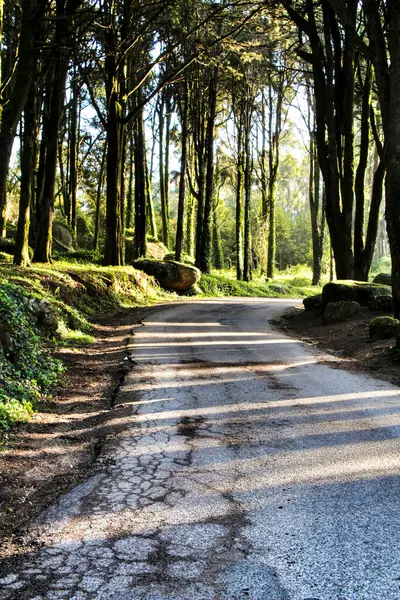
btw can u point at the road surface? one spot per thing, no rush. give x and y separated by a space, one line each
248 471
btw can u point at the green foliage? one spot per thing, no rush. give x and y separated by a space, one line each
185 258
29 371
5 257
81 256
381 265
223 283
74 292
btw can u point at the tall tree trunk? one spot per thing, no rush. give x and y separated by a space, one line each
46 127
190 224
140 187
332 57
314 194
115 129
182 180
74 136
21 255
161 167
392 138
274 132
247 194
12 111
168 109
60 57
151 217
206 256
239 199
1 55
129 203
100 186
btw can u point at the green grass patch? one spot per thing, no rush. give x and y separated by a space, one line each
224 283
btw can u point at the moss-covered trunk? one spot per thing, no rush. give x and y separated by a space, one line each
21 254
15 100
393 154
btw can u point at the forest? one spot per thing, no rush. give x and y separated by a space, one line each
242 135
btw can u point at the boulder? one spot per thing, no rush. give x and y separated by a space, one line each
383 328
381 303
171 275
364 292
313 302
46 316
357 291
62 238
337 312
7 343
336 292
385 278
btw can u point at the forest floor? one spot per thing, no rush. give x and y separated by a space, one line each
348 343
59 446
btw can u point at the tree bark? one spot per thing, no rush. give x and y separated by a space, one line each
239 198
392 139
140 187
206 248
12 111
182 180
247 194
161 171
74 136
100 185
21 254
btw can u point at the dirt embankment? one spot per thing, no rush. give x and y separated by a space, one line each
59 447
348 343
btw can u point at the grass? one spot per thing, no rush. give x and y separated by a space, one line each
287 284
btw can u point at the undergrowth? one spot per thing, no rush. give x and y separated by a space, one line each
224 283
73 295
27 369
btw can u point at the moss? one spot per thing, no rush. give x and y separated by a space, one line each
383 328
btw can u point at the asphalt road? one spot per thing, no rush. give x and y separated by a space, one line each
248 471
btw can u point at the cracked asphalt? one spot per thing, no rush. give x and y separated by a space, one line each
246 471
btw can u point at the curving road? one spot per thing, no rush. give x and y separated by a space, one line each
248 471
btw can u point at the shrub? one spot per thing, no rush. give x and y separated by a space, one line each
27 370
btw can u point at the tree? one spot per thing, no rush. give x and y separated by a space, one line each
15 92
383 29
58 69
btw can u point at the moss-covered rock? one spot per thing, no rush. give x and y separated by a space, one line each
313 302
185 258
383 328
171 275
357 291
337 312
155 250
62 238
381 303
385 278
